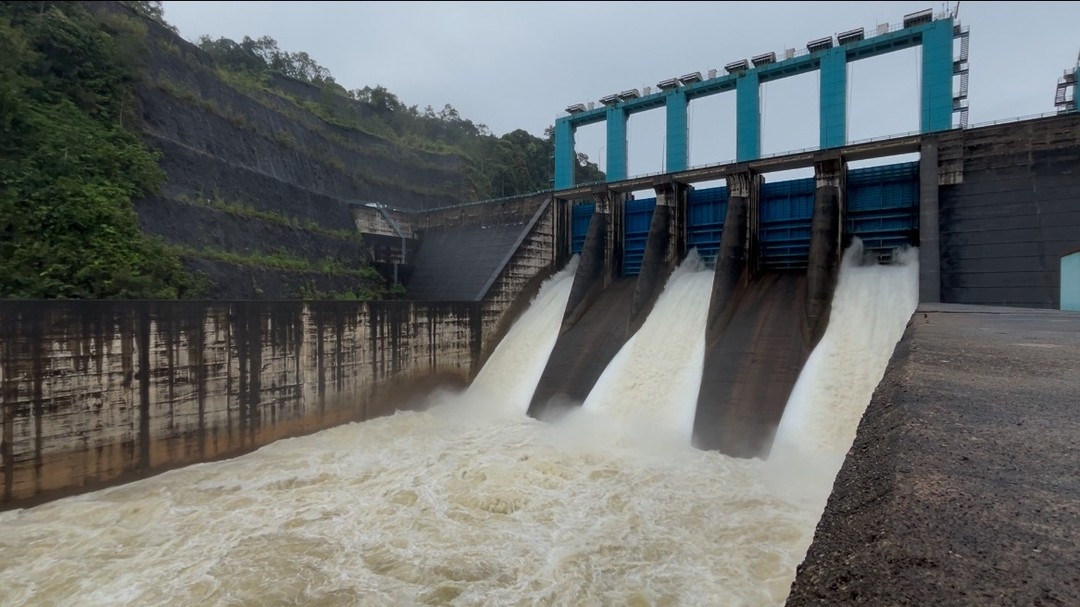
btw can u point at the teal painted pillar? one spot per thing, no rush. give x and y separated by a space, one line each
565 158
1070 282
678 147
616 144
937 76
833 100
748 117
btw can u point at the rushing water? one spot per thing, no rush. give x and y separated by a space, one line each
507 381
650 388
473 503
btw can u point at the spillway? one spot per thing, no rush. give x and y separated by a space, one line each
456 505
507 381
840 375
652 383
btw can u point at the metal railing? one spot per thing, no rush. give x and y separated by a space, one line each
377 205
1015 119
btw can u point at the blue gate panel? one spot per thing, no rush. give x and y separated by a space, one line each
580 216
636 233
705 224
883 205
787 208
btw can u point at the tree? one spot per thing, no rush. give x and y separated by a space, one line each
68 166
152 9
262 55
517 162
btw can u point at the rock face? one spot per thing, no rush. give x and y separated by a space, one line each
251 171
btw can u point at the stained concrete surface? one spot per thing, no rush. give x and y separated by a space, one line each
962 486
751 368
584 349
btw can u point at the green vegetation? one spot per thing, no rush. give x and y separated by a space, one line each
69 164
369 283
308 292
359 174
515 163
247 211
72 160
280 260
258 56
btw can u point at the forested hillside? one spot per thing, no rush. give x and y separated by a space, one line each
515 163
70 161
136 164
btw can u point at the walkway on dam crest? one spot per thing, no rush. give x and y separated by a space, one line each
963 484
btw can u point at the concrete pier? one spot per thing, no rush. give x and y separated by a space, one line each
763 324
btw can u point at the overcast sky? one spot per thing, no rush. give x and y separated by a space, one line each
517 65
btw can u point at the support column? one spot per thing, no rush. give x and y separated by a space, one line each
745 184
833 98
616 144
680 202
937 76
826 229
733 259
613 205
671 197
748 117
929 226
678 148
563 209
661 255
594 267
565 158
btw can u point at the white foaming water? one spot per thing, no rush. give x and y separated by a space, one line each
509 377
870 309
449 506
650 388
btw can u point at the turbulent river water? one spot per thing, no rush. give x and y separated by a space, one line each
471 502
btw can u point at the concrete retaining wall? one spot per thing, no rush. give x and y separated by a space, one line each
93 393
99 392
1004 228
513 288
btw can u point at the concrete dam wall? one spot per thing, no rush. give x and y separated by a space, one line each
992 210
1015 210
95 392
100 392
512 246
762 324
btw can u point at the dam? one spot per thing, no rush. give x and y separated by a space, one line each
637 391
451 505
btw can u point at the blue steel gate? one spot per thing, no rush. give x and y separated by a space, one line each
638 216
787 208
580 216
883 206
705 221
